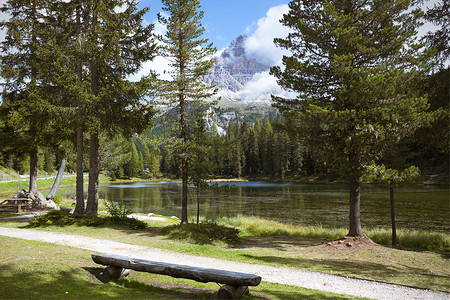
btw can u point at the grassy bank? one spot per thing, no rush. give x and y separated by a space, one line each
59 272
295 247
9 188
408 239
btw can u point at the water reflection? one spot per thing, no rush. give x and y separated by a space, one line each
307 204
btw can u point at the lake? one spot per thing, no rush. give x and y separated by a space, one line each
417 207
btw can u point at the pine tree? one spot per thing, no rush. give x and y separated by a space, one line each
145 156
117 44
132 166
25 105
355 65
188 53
266 147
153 164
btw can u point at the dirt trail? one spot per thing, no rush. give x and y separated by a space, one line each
306 279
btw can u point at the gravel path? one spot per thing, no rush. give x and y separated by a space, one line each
307 279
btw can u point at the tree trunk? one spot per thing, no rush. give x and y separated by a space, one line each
33 171
394 229
184 158
198 204
92 201
58 178
79 207
355 218
184 176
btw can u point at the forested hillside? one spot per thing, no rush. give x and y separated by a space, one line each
252 146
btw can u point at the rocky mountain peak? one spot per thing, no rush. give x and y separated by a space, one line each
236 47
233 69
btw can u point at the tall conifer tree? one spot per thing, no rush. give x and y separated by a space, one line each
189 56
25 105
355 65
117 44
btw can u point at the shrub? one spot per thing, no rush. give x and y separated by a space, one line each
203 233
117 210
61 218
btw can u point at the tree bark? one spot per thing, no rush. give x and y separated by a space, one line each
184 154
33 171
394 229
198 204
355 211
58 178
92 201
79 207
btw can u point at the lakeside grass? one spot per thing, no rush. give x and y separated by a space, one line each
291 247
61 272
409 239
7 189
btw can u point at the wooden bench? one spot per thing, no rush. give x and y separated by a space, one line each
235 284
15 203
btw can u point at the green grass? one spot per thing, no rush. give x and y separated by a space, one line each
9 188
372 261
260 227
408 239
37 270
413 239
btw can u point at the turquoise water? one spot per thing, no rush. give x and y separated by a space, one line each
424 208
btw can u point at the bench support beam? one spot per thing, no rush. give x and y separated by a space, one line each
232 292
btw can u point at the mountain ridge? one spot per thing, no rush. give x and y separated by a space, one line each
233 69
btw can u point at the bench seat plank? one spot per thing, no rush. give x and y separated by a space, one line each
178 271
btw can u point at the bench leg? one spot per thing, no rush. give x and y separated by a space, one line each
115 272
232 292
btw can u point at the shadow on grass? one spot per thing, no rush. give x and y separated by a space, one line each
361 269
274 293
83 283
278 242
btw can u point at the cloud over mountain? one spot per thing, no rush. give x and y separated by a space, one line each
260 44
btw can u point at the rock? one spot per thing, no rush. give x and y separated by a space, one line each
39 201
49 204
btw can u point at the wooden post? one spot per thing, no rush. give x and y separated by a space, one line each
116 272
232 292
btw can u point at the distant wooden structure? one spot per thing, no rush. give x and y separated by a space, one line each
17 204
236 284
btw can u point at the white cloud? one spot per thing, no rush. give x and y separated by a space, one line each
3 17
260 43
160 29
159 64
262 84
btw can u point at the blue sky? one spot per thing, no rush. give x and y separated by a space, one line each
224 19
